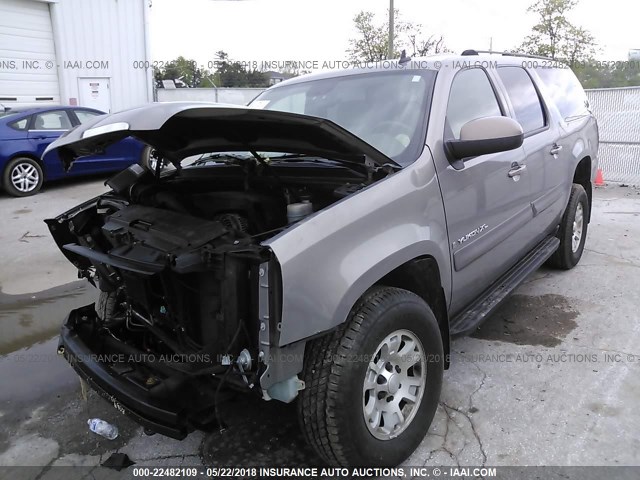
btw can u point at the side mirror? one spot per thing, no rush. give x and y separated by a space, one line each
485 135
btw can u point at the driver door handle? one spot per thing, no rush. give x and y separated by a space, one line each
515 171
555 149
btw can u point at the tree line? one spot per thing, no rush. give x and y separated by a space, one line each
228 73
553 36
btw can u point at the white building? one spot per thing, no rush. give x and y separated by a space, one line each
90 53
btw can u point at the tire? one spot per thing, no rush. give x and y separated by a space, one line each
108 308
22 177
148 160
575 216
106 305
334 408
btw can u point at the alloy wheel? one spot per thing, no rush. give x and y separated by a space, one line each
578 223
24 177
394 384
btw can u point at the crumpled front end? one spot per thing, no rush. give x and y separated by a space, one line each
178 313
138 384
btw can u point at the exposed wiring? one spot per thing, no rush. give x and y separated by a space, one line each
269 231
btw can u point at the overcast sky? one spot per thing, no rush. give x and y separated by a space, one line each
263 30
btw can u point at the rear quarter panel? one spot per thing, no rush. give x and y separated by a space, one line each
578 136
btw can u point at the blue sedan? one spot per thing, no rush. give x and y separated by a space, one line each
26 132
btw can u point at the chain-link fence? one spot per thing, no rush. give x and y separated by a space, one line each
618 114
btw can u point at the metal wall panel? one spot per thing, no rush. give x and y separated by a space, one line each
27 55
103 39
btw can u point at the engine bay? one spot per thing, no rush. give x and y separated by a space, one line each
178 261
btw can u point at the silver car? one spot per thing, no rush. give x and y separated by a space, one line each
324 247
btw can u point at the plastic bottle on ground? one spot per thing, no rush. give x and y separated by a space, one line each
103 428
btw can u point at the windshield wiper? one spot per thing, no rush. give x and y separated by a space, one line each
265 161
352 166
227 158
285 156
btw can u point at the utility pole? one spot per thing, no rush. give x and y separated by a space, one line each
391 53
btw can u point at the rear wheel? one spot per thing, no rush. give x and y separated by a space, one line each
372 385
22 177
573 230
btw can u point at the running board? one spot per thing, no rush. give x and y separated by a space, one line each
478 311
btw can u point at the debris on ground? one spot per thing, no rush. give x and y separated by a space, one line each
103 428
118 461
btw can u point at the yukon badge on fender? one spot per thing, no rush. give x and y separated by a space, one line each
473 233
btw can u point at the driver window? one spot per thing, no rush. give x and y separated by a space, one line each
471 97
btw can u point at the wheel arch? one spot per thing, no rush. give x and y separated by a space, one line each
421 276
29 155
582 176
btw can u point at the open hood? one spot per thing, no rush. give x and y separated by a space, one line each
180 129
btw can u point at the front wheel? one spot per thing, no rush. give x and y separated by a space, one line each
573 230
110 308
373 384
149 159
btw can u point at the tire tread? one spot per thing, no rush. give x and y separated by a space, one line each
562 257
324 361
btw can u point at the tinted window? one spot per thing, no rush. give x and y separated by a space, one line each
565 91
85 115
386 109
20 124
55 120
471 97
291 103
524 97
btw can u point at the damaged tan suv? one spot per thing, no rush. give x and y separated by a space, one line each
327 242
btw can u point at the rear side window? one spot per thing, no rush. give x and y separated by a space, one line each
20 124
524 98
565 91
471 97
55 120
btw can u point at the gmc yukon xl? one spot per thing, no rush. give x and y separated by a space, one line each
325 244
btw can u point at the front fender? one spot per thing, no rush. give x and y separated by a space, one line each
331 258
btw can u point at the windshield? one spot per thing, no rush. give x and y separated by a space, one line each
385 109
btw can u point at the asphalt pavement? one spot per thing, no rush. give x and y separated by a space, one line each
553 378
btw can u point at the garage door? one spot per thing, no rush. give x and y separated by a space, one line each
28 72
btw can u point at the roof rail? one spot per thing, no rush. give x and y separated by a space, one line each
506 54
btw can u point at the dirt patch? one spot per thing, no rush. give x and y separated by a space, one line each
530 320
604 410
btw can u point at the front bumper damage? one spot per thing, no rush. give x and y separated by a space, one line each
156 396
171 404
